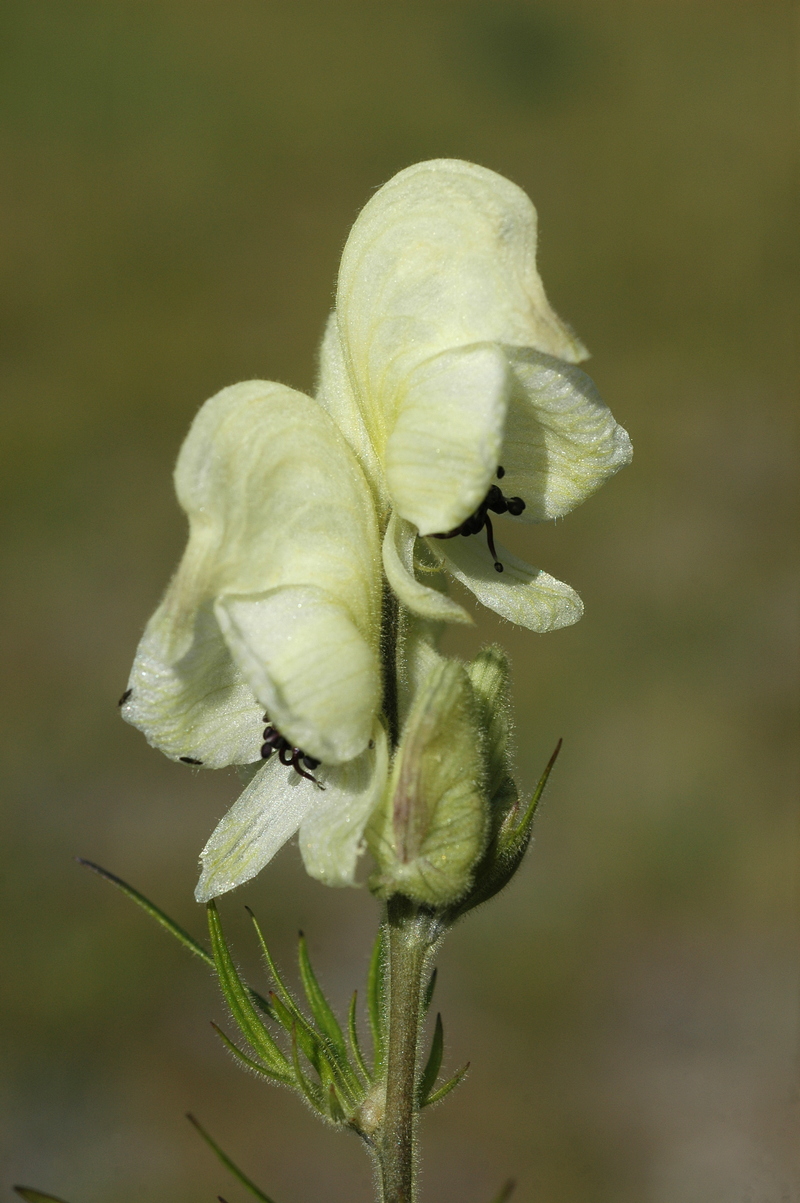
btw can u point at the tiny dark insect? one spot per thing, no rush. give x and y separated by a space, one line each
189 760
498 503
125 697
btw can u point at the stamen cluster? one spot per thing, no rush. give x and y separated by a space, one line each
498 503
294 757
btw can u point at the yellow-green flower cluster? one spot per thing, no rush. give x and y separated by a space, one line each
448 393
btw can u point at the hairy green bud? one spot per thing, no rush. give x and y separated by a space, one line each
434 827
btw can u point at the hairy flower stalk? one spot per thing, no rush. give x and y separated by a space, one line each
299 636
412 936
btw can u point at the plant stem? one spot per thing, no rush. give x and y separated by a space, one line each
412 934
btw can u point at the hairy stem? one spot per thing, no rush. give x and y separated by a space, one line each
412 935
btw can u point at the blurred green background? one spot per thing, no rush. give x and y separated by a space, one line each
178 181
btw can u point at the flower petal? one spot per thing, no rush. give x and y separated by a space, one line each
524 595
334 392
398 563
199 706
443 451
442 256
308 664
257 826
275 498
561 440
332 834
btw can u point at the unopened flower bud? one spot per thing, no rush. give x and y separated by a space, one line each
489 675
433 829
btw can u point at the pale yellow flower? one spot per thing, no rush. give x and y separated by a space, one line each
274 611
444 363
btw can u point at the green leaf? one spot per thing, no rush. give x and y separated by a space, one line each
335 1108
327 1024
285 1009
35 1196
505 1192
239 1001
434 1063
426 1003
443 1091
376 996
273 968
153 911
170 925
320 1008
243 1059
229 1165
309 1089
317 1051
308 1041
352 1031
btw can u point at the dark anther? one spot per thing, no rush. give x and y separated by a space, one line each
125 697
189 760
498 504
288 755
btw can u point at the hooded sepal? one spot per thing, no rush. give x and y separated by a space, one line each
276 603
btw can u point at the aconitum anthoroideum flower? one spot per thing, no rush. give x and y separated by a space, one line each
456 384
265 646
